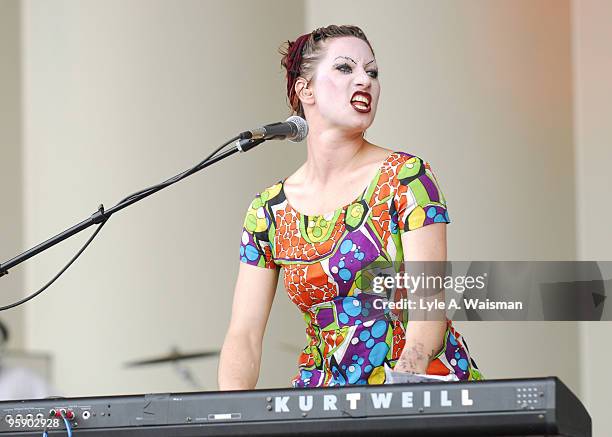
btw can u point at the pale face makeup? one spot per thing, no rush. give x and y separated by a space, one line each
345 85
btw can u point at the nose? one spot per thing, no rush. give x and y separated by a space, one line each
363 79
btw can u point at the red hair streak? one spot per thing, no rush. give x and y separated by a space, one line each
294 61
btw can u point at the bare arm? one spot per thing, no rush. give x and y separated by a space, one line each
241 353
423 338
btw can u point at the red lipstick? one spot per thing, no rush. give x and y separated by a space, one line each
361 101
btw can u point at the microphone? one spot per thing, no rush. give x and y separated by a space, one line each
293 129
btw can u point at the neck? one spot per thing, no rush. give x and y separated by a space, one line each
332 153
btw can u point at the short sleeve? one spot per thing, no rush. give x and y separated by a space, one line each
419 199
255 246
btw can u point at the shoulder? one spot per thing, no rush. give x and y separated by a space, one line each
404 167
267 194
257 218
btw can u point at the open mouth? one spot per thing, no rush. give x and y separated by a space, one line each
361 101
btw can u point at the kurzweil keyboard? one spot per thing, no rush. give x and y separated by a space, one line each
510 407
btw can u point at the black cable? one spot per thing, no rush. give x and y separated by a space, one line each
161 185
48 284
179 176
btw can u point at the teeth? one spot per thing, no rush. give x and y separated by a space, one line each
359 98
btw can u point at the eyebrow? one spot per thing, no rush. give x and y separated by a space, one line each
353 61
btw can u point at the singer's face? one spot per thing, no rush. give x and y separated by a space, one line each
345 85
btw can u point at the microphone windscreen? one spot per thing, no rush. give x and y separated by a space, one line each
302 128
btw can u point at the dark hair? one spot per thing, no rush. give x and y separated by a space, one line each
301 56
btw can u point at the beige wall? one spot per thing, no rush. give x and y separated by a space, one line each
592 37
118 96
11 210
593 96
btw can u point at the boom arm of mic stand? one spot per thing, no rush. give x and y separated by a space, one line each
101 215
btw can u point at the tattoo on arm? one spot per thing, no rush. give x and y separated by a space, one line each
414 357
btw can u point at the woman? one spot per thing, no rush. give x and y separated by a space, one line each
351 203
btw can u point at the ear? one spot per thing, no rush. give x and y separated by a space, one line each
304 93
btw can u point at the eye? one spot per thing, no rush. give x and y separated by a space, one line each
344 68
373 74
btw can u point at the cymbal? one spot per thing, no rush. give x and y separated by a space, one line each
173 356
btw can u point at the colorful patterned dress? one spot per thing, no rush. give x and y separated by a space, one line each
323 260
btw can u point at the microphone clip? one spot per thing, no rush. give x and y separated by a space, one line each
244 145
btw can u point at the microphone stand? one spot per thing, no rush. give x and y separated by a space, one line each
102 215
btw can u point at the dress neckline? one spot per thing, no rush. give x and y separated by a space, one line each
373 181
